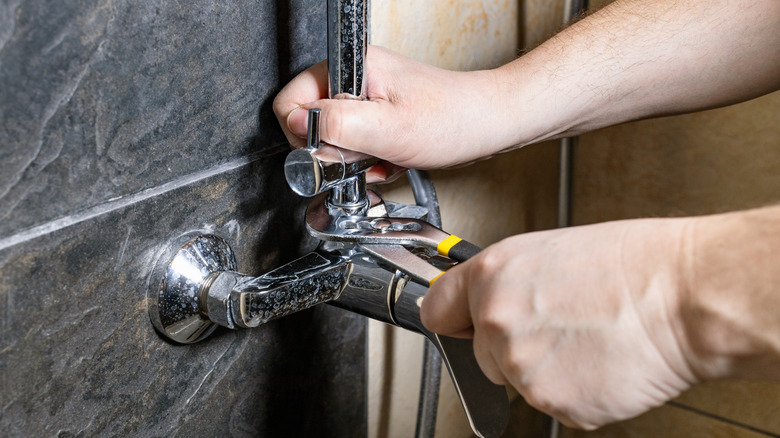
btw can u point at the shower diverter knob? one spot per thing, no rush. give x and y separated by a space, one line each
318 167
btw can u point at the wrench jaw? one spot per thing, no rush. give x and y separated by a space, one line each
394 260
385 228
376 235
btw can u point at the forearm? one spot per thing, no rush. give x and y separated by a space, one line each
636 59
730 312
633 59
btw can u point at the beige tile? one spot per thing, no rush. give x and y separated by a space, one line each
719 160
755 404
451 421
666 422
715 161
394 371
510 194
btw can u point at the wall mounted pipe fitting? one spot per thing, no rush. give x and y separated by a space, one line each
194 287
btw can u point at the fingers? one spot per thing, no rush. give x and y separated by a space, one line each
384 172
311 85
360 125
389 124
487 359
415 116
369 126
445 309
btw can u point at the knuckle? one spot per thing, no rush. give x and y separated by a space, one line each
489 317
515 361
491 313
491 322
486 266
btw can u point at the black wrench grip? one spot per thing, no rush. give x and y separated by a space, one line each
457 249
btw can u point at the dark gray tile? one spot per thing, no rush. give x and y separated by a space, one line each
123 125
100 100
79 357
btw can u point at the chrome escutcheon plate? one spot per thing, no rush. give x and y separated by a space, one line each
173 292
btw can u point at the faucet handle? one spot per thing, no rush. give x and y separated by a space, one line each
311 172
485 403
235 300
319 167
313 129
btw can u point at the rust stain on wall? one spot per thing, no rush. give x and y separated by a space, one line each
454 34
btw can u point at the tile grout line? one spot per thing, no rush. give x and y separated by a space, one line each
125 201
722 419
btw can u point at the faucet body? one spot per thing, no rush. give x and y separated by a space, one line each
370 279
347 43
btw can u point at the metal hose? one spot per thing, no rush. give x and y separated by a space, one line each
571 9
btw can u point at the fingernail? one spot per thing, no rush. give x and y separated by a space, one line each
376 174
296 122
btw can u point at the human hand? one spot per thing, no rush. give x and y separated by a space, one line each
415 115
583 322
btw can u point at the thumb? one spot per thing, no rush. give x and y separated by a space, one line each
358 125
445 309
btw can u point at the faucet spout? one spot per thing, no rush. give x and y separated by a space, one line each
235 300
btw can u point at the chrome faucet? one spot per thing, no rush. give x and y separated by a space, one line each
317 168
376 258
